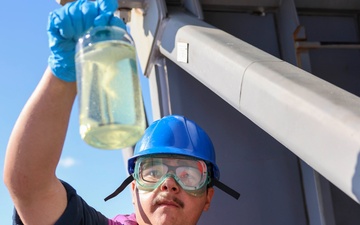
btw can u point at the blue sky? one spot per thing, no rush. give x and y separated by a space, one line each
23 58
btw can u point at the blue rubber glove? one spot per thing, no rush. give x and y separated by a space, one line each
68 23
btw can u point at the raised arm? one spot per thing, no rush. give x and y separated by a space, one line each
37 139
34 150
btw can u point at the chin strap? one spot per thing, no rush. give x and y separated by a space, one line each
226 189
121 188
215 182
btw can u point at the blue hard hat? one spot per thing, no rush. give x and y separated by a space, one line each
175 135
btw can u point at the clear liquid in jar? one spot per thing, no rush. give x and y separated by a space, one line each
111 107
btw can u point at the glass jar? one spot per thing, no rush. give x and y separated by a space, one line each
111 110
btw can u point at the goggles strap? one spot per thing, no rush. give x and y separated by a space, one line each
226 189
121 188
215 182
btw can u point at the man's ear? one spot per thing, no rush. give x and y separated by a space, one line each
133 191
209 196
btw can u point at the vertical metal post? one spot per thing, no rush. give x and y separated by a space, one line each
316 189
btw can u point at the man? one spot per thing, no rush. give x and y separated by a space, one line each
173 169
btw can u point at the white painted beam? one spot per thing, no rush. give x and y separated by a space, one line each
316 120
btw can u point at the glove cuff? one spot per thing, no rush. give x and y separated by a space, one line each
62 68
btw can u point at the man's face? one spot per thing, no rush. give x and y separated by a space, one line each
169 203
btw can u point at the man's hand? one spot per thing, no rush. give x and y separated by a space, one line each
68 23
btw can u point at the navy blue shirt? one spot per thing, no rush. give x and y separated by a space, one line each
77 212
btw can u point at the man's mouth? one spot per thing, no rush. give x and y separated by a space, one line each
168 203
163 201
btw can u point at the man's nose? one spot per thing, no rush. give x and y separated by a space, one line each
170 185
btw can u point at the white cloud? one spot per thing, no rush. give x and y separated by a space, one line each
67 162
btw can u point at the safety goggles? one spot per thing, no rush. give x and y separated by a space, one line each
191 174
